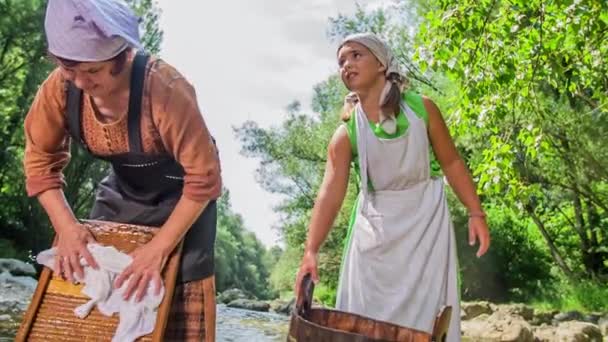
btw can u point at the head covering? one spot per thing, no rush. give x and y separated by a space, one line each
90 30
394 77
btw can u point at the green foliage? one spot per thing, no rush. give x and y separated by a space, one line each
517 266
8 250
23 66
325 294
151 33
531 105
362 21
283 274
582 296
585 295
241 261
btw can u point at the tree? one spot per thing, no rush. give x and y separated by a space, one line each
241 259
23 66
532 106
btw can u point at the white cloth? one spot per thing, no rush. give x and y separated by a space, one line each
90 30
136 319
401 264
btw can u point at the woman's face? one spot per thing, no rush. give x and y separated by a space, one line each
94 78
359 68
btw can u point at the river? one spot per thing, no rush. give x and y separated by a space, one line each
233 325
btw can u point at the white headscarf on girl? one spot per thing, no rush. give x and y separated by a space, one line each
393 75
90 30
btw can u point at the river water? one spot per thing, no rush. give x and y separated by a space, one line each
237 325
233 325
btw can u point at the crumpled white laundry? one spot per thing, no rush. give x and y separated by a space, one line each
136 319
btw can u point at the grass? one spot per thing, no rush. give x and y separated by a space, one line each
584 296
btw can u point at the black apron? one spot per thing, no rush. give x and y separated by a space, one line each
144 189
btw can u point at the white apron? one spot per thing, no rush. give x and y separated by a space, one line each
400 265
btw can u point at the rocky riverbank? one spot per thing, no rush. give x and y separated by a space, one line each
482 321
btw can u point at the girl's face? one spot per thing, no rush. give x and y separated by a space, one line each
94 78
359 68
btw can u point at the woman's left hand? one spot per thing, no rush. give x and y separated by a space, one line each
478 230
147 265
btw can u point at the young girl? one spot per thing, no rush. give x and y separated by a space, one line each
400 262
141 115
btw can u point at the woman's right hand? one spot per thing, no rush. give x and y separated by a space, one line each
308 265
71 245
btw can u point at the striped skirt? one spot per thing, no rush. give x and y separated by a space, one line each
192 316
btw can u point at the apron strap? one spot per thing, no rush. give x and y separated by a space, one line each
361 124
361 127
409 113
73 107
138 74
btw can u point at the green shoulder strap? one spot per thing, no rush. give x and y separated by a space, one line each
415 102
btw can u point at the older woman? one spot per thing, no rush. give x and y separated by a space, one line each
400 263
141 115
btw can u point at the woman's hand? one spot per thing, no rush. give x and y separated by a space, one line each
478 230
71 246
147 265
308 265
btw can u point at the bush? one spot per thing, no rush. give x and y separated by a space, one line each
8 251
582 295
516 267
326 295
283 274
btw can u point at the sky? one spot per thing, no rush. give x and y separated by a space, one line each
248 59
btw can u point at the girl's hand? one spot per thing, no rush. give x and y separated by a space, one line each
308 265
478 230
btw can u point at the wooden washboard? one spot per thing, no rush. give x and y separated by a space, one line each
50 315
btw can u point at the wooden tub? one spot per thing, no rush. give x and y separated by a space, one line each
310 324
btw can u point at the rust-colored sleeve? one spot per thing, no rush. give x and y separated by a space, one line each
185 135
46 140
